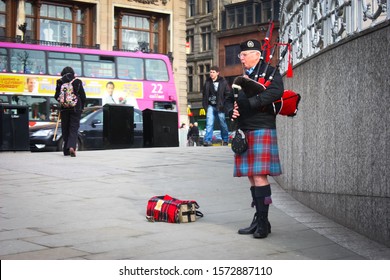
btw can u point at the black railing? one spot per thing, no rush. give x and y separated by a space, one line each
27 40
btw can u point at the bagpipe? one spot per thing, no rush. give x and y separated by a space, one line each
287 105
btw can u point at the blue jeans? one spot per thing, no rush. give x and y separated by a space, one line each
212 113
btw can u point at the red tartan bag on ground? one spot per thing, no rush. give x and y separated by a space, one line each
172 210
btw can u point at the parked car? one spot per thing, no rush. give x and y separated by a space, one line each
90 136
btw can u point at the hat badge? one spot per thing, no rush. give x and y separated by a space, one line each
250 44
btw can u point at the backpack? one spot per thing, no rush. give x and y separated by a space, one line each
67 97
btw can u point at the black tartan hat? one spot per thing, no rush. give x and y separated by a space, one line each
250 45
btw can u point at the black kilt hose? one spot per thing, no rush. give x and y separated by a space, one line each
262 156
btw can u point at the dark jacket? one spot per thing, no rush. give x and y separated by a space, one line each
222 92
77 87
260 114
193 132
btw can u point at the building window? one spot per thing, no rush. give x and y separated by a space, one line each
49 21
59 23
206 38
249 16
240 16
266 11
208 6
190 81
203 74
145 32
30 20
55 24
3 18
80 26
249 13
230 18
135 32
155 34
190 40
201 77
191 8
231 57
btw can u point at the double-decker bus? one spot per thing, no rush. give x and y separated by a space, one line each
28 75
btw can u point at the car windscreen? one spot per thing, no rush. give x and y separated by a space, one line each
87 113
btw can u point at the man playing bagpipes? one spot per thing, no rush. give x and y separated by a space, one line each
252 110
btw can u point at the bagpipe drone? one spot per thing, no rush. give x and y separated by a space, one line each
287 105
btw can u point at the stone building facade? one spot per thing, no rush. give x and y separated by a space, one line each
335 152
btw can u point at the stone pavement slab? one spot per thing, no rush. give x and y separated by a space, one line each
93 207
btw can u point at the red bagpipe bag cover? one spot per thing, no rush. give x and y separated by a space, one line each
288 104
171 210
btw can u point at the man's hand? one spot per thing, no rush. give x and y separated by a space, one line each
235 113
243 105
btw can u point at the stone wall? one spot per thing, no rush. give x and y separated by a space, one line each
335 152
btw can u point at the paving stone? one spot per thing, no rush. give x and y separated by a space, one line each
99 213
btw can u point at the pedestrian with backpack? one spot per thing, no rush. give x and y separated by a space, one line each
71 96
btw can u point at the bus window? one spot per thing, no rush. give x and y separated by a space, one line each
99 66
54 109
37 109
58 61
156 70
21 100
164 105
28 62
3 60
130 68
3 99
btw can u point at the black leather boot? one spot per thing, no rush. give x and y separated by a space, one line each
251 229
263 227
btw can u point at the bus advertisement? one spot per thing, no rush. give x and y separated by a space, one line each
28 76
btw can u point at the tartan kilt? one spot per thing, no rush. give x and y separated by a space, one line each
262 156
